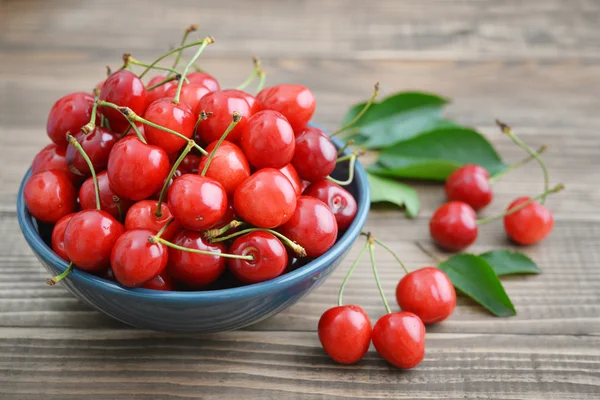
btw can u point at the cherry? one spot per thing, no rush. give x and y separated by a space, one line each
190 94
159 92
177 117
315 156
87 197
313 226
58 236
50 195
142 215
530 224
136 170
226 219
428 293
162 281
51 157
69 114
135 260
266 199
205 79
254 105
340 201
222 105
345 333
123 88
197 202
193 269
229 165
189 165
454 226
97 145
470 184
400 339
268 140
269 257
295 102
290 172
90 237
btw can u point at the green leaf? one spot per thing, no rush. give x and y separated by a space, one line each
474 276
435 154
506 262
392 191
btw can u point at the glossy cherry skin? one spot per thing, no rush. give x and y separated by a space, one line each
428 293
192 269
222 105
229 166
270 257
51 157
470 184
97 145
177 117
345 333
162 281
87 197
295 102
268 140
197 202
136 170
69 114
122 88
400 339
58 236
159 92
135 261
454 226
340 201
315 156
266 199
313 226
204 79
191 94
90 237
50 195
290 172
189 164
142 215
530 224
254 105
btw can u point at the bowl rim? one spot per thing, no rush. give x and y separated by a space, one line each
28 227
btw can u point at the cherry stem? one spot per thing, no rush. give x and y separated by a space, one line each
80 149
216 232
90 126
344 147
126 115
350 173
350 271
393 253
518 164
128 60
104 122
252 77
108 71
299 250
188 30
555 189
261 80
164 228
508 130
163 192
117 201
205 42
55 279
428 253
154 239
349 156
201 117
370 240
236 117
167 54
361 113
167 80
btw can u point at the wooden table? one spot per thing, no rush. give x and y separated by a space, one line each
535 64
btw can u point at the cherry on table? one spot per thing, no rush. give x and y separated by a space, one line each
97 145
205 79
290 172
400 339
50 195
177 117
222 105
295 102
58 236
454 226
315 157
69 114
229 165
470 184
269 257
122 88
142 215
108 203
51 157
345 333
341 202
530 224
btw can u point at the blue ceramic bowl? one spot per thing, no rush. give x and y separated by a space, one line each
203 311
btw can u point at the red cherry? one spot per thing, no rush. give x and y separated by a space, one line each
470 184
189 164
87 196
90 237
122 88
142 215
229 165
205 79
58 236
135 260
340 201
315 156
454 226
254 105
136 170
162 281
400 339
190 94
226 219
197 202
177 117
529 225
50 195
193 269
159 92
312 226
270 257
428 293
97 145
295 102
268 140
51 157
290 172
69 114
266 199
222 105
345 333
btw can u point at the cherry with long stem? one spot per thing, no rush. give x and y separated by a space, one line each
518 164
75 143
156 239
235 118
188 30
350 271
360 114
255 72
205 42
299 250
167 54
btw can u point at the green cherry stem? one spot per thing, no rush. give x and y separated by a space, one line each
361 113
164 228
216 232
90 126
344 147
350 271
393 253
261 80
235 118
55 279
154 239
350 173
518 164
131 122
167 54
76 144
129 60
428 253
370 240
299 250
188 30
163 192
253 75
202 116
205 42
167 80
349 156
